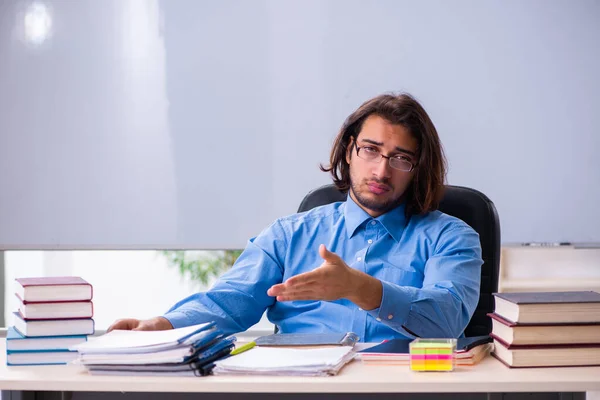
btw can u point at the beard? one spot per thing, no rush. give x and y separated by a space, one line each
379 205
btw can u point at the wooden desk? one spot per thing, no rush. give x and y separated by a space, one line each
488 376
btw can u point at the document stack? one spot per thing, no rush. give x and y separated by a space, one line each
286 361
189 351
54 314
547 329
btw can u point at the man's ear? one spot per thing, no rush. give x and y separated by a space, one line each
349 149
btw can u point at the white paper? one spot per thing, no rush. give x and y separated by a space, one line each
119 339
287 361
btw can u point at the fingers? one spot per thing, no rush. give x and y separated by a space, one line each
310 285
123 324
298 295
298 282
328 255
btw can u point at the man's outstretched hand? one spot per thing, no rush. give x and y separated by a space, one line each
332 280
131 324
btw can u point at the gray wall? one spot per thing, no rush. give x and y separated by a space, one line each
143 124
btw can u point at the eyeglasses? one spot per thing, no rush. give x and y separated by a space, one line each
399 162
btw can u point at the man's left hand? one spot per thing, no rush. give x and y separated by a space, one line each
332 280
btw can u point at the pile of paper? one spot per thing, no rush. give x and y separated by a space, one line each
286 361
185 351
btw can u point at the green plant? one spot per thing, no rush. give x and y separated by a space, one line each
201 266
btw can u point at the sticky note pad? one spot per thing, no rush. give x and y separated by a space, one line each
432 354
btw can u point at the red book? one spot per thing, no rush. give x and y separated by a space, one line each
53 327
513 333
566 355
55 309
53 288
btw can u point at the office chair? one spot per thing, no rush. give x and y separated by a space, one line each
474 208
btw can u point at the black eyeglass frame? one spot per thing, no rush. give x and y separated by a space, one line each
381 156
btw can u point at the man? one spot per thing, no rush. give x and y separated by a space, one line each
382 264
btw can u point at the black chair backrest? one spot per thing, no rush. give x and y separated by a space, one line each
474 208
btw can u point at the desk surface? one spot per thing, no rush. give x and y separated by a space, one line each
488 376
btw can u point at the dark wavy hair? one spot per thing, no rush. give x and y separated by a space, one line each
427 188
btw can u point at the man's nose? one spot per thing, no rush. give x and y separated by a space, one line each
382 169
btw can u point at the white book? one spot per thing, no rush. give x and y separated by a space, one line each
57 310
53 288
56 327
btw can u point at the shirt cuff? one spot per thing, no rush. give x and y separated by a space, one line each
178 319
395 306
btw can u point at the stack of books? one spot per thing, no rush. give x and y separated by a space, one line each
547 329
54 314
189 351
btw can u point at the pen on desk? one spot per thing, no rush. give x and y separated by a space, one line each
546 244
243 348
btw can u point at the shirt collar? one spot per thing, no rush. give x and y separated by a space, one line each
393 221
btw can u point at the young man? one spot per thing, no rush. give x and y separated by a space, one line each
382 264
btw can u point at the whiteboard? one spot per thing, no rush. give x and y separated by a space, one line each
130 124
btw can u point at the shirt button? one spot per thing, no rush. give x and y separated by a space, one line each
359 258
370 241
373 222
390 316
378 319
360 309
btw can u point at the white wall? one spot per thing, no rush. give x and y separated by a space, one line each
194 124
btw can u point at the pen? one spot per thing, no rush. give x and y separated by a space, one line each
243 348
546 244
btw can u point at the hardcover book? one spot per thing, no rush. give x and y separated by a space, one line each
53 327
18 342
40 357
53 288
56 309
549 307
546 355
535 334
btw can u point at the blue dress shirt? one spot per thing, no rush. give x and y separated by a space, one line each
429 266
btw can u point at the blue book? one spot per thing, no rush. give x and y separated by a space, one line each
40 358
16 342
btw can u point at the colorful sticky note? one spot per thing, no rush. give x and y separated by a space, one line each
432 354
